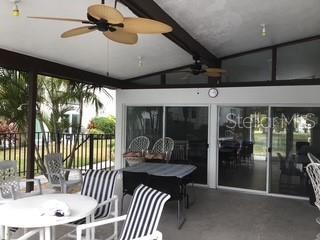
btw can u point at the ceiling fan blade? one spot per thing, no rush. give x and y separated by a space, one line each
213 74
100 11
61 19
122 37
78 31
215 70
144 25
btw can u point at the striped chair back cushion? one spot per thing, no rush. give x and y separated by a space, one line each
100 185
144 213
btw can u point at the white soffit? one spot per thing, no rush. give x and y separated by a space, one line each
231 26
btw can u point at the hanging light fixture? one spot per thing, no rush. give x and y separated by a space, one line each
15 11
263 30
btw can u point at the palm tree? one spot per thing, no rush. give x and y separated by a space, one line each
14 97
84 93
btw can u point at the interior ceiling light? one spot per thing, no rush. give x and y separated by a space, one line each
15 10
263 30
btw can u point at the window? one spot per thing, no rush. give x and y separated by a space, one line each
150 80
184 77
299 61
254 67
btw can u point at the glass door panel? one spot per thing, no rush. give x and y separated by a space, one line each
296 131
188 127
243 147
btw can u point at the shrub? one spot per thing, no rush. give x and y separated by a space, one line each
106 125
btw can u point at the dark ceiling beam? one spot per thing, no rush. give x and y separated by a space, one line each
149 9
18 61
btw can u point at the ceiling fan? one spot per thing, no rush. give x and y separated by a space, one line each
198 68
113 24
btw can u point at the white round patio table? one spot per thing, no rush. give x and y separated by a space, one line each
27 212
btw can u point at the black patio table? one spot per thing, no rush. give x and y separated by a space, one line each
163 169
166 177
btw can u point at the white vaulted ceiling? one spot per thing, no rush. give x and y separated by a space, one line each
41 39
230 26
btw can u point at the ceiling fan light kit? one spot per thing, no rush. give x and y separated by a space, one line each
113 24
15 10
197 68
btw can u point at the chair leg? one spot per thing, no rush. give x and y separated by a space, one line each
180 215
7 233
93 230
1 232
116 209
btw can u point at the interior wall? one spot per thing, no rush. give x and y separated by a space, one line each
245 96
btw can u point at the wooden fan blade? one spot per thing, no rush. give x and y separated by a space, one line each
215 70
213 74
100 11
122 37
145 25
77 31
61 19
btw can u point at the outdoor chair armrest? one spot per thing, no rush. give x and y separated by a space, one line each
114 198
82 227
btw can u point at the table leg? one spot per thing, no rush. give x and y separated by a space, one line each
41 235
6 233
1 232
53 232
47 233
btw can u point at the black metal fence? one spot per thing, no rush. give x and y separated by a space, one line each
83 151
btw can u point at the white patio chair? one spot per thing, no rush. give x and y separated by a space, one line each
313 158
143 216
10 187
313 170
56 173
139 144
100 185
165 145
10 182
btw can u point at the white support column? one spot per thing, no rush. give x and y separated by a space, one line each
213 143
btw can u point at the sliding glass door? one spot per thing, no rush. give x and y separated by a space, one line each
295 132
267 151
187 126
243 147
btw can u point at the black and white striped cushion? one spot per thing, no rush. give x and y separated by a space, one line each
100 185
144 213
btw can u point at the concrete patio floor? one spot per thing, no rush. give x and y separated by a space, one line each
228 215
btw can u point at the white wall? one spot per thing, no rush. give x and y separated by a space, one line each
265 96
